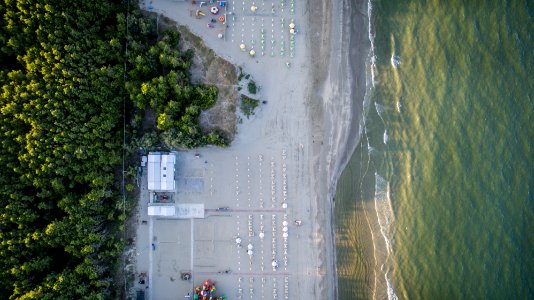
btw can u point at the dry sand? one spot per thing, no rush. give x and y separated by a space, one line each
302 138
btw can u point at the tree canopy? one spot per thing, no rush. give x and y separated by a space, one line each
65 83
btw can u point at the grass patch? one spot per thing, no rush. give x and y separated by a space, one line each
248 105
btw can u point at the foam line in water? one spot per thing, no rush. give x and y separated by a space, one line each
372 40
395 60
380 110
391 291
385 217
383 207
382 201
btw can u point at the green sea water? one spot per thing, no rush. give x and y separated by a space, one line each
437 201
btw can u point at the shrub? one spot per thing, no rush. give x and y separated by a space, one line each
252 87
248 105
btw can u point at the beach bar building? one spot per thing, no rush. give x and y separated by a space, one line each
160 172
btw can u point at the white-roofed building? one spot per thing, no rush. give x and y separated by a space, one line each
162 211
161 167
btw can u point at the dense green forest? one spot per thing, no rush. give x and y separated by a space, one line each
75 76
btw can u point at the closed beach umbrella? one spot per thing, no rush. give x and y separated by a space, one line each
252 52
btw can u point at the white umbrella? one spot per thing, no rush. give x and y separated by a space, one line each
261 235
220 35
250 252
292 25
292 31
250 247
252 52
284 223
284 205
242 46
253 8
238 241
284 229
285 234
274 264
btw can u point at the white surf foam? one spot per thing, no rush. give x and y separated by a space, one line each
395 61
385 217
380 110
374 58
383 208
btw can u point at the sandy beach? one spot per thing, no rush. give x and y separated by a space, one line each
282 165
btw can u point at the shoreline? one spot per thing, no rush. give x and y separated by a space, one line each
343 92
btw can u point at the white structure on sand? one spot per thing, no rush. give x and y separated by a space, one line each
161 168
164 211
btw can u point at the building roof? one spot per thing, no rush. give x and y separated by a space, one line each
161 171
164 211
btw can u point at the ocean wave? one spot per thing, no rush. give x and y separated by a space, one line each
391 291
395 61
373 57
380 110
399 106
382 202
383 208
385 217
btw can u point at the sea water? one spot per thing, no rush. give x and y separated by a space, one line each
437 200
